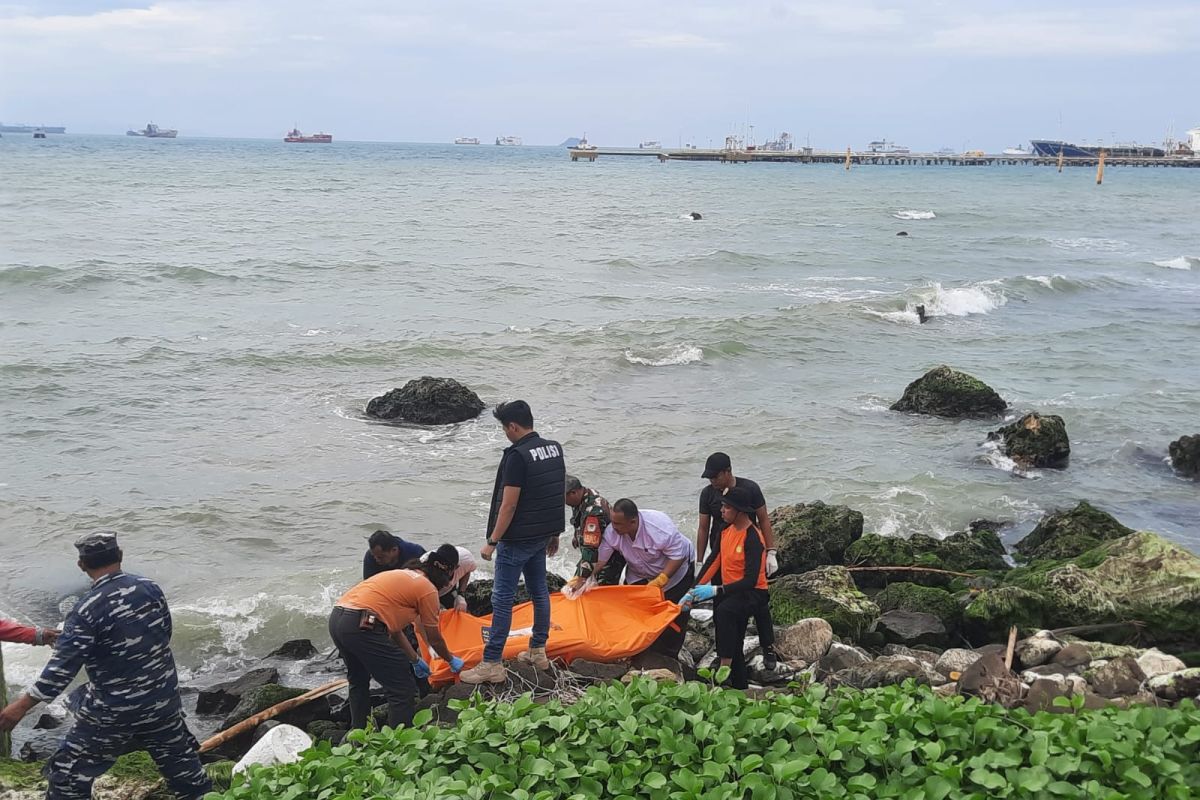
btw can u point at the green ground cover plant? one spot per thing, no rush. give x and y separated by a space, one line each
693 742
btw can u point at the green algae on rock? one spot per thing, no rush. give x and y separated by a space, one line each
1068 534
946 392
828 593
906 596
1035 441
810 535
966 551
994 611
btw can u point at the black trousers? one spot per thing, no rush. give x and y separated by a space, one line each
765 625
372 654
731 617
671 639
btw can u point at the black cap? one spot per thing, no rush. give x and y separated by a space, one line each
445 557
97 543
715 465
739 498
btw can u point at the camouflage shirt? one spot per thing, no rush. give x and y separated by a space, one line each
592 505
120 631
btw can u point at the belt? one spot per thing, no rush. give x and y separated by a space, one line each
379 623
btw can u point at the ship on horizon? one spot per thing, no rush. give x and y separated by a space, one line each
1049 148
294 136
152 131
509 141
467 140
21 128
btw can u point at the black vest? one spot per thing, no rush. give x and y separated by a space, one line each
539 511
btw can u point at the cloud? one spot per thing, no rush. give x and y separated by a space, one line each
676 41
1072 33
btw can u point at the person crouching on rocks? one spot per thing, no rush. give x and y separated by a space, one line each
740 568
368 623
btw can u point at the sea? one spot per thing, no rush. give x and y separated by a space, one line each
190 330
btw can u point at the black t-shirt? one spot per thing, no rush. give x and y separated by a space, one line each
710 503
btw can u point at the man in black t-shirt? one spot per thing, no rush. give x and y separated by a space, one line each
718 469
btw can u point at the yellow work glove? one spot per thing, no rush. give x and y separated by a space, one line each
660 581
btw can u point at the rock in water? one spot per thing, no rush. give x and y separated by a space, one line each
294 650
945 392
224 697
1066 534
813 535
1035 441
428 401
1185 455
828 593
805 640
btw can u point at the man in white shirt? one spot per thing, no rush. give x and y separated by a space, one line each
656 554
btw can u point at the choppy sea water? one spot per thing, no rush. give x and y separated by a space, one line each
190 329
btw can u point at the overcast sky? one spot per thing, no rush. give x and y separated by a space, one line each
925 74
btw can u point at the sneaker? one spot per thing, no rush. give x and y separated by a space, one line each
535 656
486 672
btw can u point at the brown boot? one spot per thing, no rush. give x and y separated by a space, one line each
485 672
535 656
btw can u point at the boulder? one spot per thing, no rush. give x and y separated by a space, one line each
282 745
911 628
840 657
927 657
599 671
907 596
427 401
1108 650
956 659
1067 534
976 549
809 535
1185 455
992 612
224 697
1035 441
979 548
1176 685
1051 670
294 650
479 594
1037 649
1042 694
333 732
946 392
696 645
883 671
650 661
828 593
263 697
991 681
805 640
1118 678
1072 656
1154 662
1071 596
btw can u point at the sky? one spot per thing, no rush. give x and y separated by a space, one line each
966 75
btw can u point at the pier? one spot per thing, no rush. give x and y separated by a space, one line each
872 159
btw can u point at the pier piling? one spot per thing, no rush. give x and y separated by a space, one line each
1100 169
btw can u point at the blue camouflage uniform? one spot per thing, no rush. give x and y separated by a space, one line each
121 633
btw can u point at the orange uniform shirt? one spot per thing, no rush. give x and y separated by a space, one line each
732 558
398 596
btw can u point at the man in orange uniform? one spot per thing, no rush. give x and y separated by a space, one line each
735 578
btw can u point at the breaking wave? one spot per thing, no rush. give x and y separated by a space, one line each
911 214
959 301
666 356
1183 262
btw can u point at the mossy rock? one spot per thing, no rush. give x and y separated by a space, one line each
974 550
16 775
946 392
1072 597
1035 441
966 551
1068 534
259 699
914 597
810 535
828 593
990 615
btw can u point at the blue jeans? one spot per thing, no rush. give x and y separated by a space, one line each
513 559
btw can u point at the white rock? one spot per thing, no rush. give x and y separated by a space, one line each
805 640
1154 662
1037 649
956 659
283 744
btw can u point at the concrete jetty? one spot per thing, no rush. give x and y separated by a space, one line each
871 158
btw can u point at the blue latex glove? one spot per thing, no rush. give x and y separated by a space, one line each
456 664
421 668
705 591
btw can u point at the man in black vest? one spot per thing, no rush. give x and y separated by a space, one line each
525 522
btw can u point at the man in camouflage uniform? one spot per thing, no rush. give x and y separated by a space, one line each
589 518
120 631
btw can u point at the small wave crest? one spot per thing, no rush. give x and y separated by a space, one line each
995 457
1183 262
666 355
939 301
914 214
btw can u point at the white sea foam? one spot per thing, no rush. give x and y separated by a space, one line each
314 332
958 301
1183 262
518 329
993 455
911 214
1089 243
666 356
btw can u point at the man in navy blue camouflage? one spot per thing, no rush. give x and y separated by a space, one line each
120 631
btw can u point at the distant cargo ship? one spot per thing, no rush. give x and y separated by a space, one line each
509 141
31 128
650 144
890 148
295 136
467 140
152 131
1052 149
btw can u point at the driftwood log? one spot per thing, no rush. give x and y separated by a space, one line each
253 722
